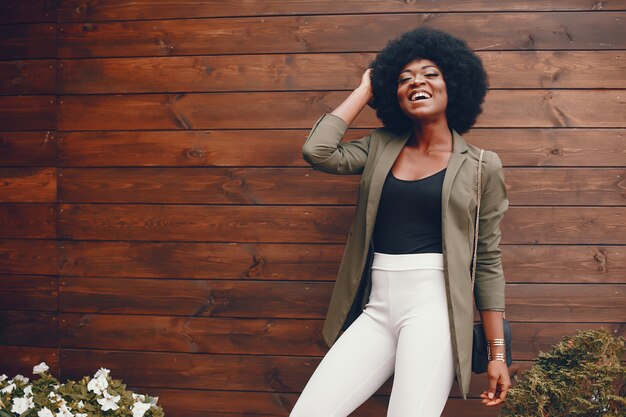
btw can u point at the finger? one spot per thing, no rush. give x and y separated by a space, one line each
491 392
503 393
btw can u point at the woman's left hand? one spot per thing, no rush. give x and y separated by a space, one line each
499 383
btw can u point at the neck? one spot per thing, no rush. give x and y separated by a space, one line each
431 137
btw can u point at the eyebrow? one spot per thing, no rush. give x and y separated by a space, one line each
424 67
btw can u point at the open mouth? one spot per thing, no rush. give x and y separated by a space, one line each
419 96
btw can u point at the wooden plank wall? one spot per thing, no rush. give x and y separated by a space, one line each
151 206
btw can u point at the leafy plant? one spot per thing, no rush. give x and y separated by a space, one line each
90 397
582 376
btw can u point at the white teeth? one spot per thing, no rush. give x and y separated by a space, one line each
420 94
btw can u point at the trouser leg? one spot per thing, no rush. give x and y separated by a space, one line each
424 371
359 362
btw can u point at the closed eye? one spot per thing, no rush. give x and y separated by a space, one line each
406 79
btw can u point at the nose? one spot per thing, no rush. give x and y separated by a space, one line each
416 81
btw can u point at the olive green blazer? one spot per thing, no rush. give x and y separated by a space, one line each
372 157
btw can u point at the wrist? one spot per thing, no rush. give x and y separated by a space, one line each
365 91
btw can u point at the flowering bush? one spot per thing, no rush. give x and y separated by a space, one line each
90 397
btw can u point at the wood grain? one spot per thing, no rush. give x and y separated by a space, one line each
29 149
77 10
531 147
21 360
314 262
28 185
313 224
28 112
291 72
605 303
502 108
33 76
28 256
291 337
525 186
26 292
278 374
338 33
28 11
28 221
28 328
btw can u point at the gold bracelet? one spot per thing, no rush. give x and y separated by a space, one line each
495 342
498 357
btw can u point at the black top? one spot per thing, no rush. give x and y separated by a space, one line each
409 215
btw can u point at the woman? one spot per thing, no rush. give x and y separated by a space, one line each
403 292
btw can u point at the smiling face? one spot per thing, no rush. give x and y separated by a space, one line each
422 76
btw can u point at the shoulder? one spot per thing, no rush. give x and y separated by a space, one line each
491 159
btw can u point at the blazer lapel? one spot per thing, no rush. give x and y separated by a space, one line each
389 155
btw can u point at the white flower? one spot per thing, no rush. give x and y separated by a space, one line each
41 368
28 391
21 378
98 384
139 408
3 377
22 404
54 396
80 404
109 401
100 372
139 397
45 412
80 415
64 411
9 388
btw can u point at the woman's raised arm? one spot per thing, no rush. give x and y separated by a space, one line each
323 148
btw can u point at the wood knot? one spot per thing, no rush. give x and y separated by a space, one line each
89 27
602 258
193 153
256 268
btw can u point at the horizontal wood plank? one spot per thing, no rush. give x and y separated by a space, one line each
36 76
309 300
525 186
28 149
36 221
502 108
28 328
290 72
21 360
28 112
291 337
28 257
28 11
314 262
279 374
197 403
25 41
28 185
103 10
22 292
337 33
312 224
199 298
271 148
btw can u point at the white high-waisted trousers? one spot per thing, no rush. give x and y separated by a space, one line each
403 331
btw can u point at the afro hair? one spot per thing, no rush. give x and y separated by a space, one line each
463 72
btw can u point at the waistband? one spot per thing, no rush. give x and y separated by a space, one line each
403 262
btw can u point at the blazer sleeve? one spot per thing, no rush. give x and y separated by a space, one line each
489 283
324 151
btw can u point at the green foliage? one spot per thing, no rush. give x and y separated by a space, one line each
582 376
99 396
